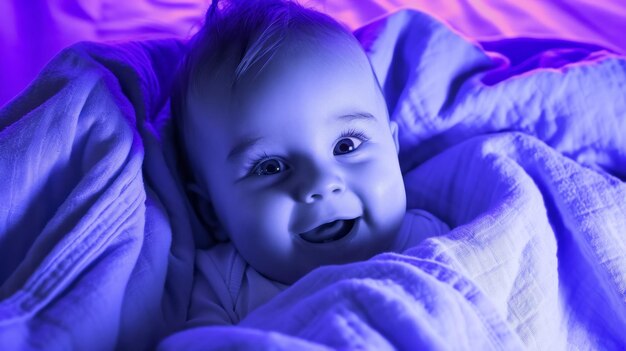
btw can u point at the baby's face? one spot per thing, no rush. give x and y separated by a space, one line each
302 166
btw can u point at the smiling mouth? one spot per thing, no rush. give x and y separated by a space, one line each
329 232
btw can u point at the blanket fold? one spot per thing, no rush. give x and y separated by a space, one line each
84 241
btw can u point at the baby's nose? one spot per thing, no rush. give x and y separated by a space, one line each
321 186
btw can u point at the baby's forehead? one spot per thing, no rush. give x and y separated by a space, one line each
259 49
229 72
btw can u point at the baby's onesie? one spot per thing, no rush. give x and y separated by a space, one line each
226 288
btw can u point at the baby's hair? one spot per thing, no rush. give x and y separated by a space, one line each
254 29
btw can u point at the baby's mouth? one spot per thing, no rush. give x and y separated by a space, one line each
329 232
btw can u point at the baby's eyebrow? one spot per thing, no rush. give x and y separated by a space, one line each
244 145
358 116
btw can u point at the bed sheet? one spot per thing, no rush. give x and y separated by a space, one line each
523 154
62 22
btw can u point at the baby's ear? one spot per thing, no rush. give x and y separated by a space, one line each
205 211
393 126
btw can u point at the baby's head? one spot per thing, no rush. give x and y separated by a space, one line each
287 133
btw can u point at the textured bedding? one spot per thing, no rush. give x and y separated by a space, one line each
521 152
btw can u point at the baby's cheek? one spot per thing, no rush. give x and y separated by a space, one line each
386 195
266 212
261 224
383 180
390 200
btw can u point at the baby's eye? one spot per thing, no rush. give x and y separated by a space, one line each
269 167
346 145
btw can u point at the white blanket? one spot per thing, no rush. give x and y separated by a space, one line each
523 162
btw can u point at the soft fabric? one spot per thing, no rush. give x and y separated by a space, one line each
96 235
523 162
226 288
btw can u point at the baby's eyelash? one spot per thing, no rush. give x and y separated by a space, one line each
355 134
254 160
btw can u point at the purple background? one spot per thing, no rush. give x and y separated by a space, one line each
32 32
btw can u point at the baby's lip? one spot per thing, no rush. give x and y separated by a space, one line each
330 231
318 224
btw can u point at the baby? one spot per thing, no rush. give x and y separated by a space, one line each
292 152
